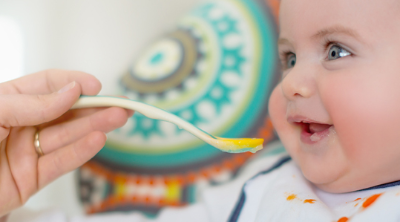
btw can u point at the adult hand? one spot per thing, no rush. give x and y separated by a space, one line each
68 138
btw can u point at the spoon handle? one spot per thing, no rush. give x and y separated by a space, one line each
145 109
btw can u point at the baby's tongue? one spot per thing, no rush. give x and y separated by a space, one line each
316 127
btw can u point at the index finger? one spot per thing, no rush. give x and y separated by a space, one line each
48 81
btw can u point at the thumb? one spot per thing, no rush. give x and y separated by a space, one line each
30 110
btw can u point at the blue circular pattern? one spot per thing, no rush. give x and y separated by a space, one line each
229 80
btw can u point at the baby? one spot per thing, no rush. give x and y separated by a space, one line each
336 113
336 109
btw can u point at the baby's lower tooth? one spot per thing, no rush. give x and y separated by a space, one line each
315 137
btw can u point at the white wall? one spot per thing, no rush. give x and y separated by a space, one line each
101 37
11 49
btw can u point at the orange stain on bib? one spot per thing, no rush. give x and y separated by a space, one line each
291 197
371 200
343 219
311 201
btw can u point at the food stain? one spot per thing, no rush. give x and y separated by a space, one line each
311 201
343 219
356 205
291 197
354 200
371 200
294 196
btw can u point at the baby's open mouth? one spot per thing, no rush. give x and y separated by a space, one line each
316 127
314 132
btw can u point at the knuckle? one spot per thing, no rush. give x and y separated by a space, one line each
8 118
4 112
75 153
44 103
64 135
92 122
58 164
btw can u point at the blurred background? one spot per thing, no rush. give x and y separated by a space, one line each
101 37
212 63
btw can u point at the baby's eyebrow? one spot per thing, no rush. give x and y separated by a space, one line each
327 31
282 41
336 29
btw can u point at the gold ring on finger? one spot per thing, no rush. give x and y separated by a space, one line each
36 144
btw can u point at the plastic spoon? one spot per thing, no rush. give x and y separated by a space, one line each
237 145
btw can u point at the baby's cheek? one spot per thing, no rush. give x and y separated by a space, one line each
349 118
277 108
363 121
277 111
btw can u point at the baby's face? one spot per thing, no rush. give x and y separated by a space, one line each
337 109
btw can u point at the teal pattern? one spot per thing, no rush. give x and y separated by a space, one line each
215 70
216 92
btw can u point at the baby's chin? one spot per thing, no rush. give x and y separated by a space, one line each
330 172
336 186
345 187
332 181
343 183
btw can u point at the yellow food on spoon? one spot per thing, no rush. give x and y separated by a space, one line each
240 145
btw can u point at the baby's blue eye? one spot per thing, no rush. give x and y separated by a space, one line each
337 52
291 61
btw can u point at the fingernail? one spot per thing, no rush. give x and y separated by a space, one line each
67 87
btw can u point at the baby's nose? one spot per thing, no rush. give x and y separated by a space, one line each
298 83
